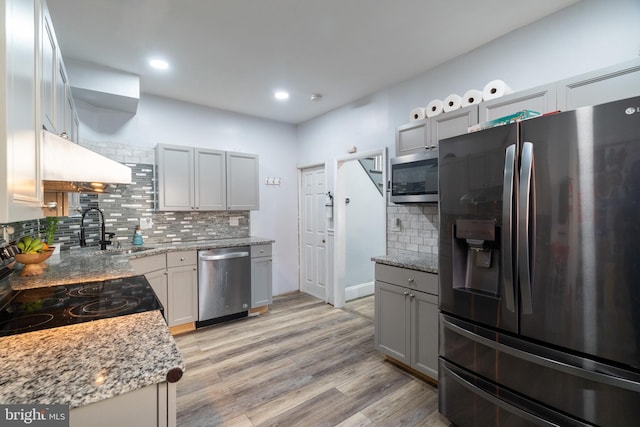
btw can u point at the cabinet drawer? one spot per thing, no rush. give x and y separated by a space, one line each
177 259
148 264
413 279
260 250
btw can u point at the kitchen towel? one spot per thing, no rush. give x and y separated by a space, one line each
471 97
417 113
495 89
434 108
451 103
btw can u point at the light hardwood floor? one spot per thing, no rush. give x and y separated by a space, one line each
303 363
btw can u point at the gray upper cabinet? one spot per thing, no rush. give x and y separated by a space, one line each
242 182
202 179
609 84
412 137
210 179
175 178
453 123
541 99
421 135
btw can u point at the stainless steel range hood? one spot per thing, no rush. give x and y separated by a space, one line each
68 167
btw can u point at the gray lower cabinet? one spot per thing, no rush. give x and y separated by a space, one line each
182 287
151 406
174 279
406 317
261 276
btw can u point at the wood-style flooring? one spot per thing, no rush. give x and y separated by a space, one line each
303 363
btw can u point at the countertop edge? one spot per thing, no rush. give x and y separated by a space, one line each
428 264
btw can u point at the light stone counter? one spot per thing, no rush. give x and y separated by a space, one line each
91 264
426 263
88 362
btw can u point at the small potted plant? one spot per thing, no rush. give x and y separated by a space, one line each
50 231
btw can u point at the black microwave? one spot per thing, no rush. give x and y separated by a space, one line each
414 178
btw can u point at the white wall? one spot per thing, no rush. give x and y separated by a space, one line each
589 35
365 224
161 120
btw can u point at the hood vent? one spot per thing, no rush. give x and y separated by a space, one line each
68 167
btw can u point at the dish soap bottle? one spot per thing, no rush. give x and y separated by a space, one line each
137 237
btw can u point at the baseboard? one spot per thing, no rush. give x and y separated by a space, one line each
359 291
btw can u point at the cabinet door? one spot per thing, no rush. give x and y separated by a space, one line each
49 73
60 94
261 281
210 180
610 84
182 286
20 195
412 137
242 182
392 321
158 282
541 99
424 333
175 178
453 123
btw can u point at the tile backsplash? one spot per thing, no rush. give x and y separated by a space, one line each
124 208
412 230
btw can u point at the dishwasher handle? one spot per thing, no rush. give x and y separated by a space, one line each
230 255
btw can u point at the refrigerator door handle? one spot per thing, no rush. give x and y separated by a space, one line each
507 227
524 215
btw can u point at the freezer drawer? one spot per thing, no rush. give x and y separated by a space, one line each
586 389
468 400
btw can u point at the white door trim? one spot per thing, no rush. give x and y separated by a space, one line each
339 215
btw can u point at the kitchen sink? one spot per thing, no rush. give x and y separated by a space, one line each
125 251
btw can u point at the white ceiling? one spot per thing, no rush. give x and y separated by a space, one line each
232 54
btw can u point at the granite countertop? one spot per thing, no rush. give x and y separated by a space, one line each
91 264
88 362
426 263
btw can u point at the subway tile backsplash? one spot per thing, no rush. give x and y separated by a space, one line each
412 230
124 208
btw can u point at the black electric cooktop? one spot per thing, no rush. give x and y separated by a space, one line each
43 308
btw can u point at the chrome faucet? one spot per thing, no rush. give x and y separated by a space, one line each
103 234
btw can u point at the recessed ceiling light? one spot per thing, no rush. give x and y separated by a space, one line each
281 95
159 64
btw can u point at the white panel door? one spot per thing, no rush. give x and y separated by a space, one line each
313 253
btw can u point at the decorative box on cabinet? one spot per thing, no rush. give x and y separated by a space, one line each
261 276
406 317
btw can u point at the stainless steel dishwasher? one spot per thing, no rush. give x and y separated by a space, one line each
224 284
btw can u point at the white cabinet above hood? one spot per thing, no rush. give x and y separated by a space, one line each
69 167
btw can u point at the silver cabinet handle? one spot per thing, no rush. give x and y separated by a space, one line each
507 227
224 256
410 280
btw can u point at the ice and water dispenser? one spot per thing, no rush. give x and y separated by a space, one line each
476 256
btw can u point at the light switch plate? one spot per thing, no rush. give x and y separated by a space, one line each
233 221
146 223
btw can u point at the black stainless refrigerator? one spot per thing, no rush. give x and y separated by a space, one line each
540 271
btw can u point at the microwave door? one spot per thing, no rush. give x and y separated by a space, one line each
414 179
